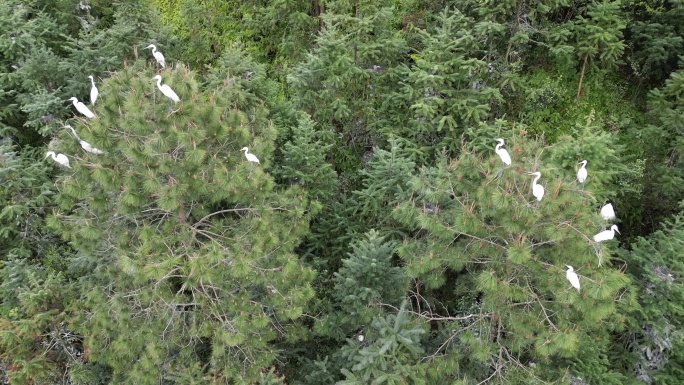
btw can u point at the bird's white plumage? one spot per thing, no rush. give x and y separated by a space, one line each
157 55
606 235
572 277
537 189
582 172
85 145
250 157
607 212
80 107
166 90
503 154
93 91
59 158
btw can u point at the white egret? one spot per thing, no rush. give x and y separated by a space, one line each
85 145
59 158
607 212
166 90
537 189
503 154
93 91
572 277
157 55
250 157
606 235
582 172
80 107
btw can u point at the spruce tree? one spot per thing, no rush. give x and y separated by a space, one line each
656 263
184 247
489 264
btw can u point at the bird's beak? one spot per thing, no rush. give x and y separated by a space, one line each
618 231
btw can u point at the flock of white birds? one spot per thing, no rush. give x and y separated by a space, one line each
94 93
607 212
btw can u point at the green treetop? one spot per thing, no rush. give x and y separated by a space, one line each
489 263
185 247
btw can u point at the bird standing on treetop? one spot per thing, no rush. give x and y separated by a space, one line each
537 189
606 235
85 145
166 90
582 172
607 212
80 107
157 55
93 91
572 277
250 157
60 158
503 154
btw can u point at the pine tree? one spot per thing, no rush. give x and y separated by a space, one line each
184 247
489 260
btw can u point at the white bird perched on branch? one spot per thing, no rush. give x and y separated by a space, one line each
157 55
59 158
607 212
93 91
537 189
85 145
166 90
582 172
250 157
572 277
80 107
503 154
606 235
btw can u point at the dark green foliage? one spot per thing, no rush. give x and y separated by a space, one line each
656 263
341 83
658 38
445 89
658 144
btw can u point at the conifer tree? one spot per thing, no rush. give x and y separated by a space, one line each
342 81
366 282
489 263
184 246
447 88
656 263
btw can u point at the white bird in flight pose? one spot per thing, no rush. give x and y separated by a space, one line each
157 55
607 212
85 145
93 91
166 90
80 107
60 158
572 277
582 172
606 235
503 154
250 157
537 189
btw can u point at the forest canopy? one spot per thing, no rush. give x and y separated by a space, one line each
341 192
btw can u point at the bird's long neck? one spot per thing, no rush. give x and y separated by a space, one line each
92 81
159 83
536 179
74 131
